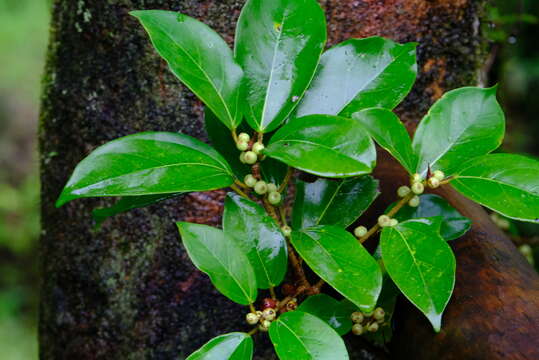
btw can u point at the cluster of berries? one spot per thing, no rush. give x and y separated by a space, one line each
367 321
262 188
250 153
268 314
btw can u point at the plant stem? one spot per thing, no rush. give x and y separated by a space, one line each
271 210
253 309
391 213
260 137
317 287
286 179
239 191
253 331
296 265
287 299
282 212
235 136
272 293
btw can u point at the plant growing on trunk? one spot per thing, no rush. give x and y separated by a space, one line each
318 112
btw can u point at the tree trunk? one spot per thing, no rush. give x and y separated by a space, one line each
128 291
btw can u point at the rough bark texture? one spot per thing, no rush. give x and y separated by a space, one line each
128 291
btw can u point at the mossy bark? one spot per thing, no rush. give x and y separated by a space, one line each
128 290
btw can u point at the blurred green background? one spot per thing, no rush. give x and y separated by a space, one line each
514 63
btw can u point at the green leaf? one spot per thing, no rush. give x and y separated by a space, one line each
216 254
148 163
323 145
421 264
359 74
200 58
233 346
389 132
300 336
327 202
335 313
464 123
452 224
272 171
126 204
278 44
508 184
338 258
259 237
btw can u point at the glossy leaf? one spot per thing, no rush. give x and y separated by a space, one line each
200 58
452 224
278 44
298 335
421 264
322 145
389 132
148 163
327 202
126 204
259 237
359 74
508 184
233 346
464 123
335 313
216 254
338 258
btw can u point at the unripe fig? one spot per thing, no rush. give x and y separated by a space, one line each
250 157
274 198
403 191
357 329
258 147
438 174
433 182
286 230
252 319
379 314
272 187
244 137
250 180
417 187
414 202
384 220
357 317
360 231
242 145
261 187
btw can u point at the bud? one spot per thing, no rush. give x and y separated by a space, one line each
250 180
433 182
292 305
269 303
379 314
357 329
244 137
272 187
261 187
415 178
286 230
384 220
274 198
403 191
258 147
250 157
357 317
269 314
242 145
252 319
438 174
417 187
373 327
360 231
414 202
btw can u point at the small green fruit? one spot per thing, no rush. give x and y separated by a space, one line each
368 314
250 157
357 329
272 187
379 314
393 222
258 147
414 202
286 230
417 188
416 178
269 314
384 221
433 183
360 231
274 198
403 191
373 327
438 174
242 158
250 180
242 145
264 326
244 137
357 317
252 319
261 187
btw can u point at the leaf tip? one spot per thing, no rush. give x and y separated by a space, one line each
436 321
